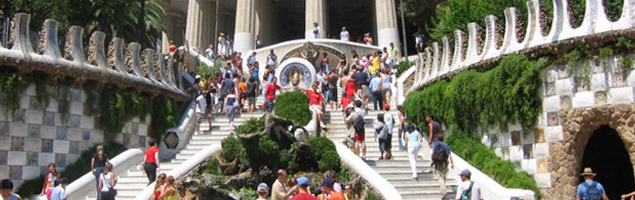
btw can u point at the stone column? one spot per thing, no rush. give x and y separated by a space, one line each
316 11
387 29
200 23
168 26
244 38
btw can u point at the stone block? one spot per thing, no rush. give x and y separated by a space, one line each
4 156
527 138
76 95
515 138
18 116
542 165
552 118
620 95
48 119
30 90
550 88
618 77
32 144
126 140
562 71
47 146
48 132
74 147
17 144
87 122
15 172
543 180
34 104
583 99
631 78
4 127
564 86
554 134
504 127
34 116
541 150
539 135
59 121
44 159
516 153
529 165
528 151
98 137
75 121
134 128
515 127
24 101
600 97
30 172
4 172
18 129
5 143
75 134
86 136
142 141
53 105
16 158
505 139
71 158
77 108
598 82
143 130
580 84
31 158
34 130
60 159
61 146
62 133
134 141
551 103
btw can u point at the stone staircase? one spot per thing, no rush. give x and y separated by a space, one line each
396 170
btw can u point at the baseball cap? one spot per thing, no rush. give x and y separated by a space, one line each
263 187
466 172
197 76
303 181
386 107
328 183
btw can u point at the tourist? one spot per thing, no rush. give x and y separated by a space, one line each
279 190
272 60
316 31
107 182
441 167
196 86
419 43
171 48
381 134
322 86
151 163
367 39
389 122
336 185
386 82
220 46
375 88
258 42
349 84
6 186
255 72
327 187
251 61
231 105
49 182
229 45
435 131
349 194
209 52
202 113
270 94
360 139
325 63
211 96
224 88
242 93
394 54
590 189
344 35
238 59
351 119
331 97
58 192
252 89
169 192
343 65
158 187
315 102
262 191
376 65
468 189
303 190
629 196
413 144
97 164
402 123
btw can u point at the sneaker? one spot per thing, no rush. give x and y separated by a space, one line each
322 125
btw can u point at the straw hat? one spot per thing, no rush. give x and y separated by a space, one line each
587 172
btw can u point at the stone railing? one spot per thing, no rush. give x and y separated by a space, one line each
145 71
439 61
85 185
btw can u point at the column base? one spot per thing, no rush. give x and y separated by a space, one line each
386 36
244 42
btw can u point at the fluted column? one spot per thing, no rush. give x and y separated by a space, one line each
387 29
200 23
244 38
316 11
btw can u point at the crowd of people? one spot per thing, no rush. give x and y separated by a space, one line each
299 188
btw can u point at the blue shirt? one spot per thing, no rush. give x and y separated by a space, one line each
225 85
58 193
361 78
255 73
251 60
582 189
374 84
413 139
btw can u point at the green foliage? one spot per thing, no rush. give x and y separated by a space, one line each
111 118
73 171
64 101
372 196
12 86
212 167
578 63
165 114
293 106
247 193
232 147
345 175
626 62
209 71
486 160
506 93
624 44
403 66
41 91
252 125
324 151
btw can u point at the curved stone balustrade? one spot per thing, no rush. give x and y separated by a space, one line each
146 73
470 51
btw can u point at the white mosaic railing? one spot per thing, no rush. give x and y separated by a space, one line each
438 62
145 71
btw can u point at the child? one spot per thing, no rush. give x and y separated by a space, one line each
6 186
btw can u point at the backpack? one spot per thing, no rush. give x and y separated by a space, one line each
592 191
467 194
251 89
359 125
439 154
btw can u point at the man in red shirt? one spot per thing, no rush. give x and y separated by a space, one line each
315 102
303 190
270 94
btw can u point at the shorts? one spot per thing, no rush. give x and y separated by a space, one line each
385 92
388 144
317 109
203 115
332 96
251 100
360 137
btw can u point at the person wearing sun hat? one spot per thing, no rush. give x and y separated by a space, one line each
590 189
303 190
262 190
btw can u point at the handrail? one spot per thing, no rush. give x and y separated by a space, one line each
86 184
355 164
184 130
183 168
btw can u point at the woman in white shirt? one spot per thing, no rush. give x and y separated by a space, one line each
107 182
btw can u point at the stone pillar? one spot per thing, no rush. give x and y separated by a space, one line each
168 25
244 38
387 29
200 23
316 11
264 21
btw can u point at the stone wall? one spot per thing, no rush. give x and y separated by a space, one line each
36 136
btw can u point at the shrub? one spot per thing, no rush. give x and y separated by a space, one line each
252 125
324 152
232 148
403 66
165 114
293 106
73 171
